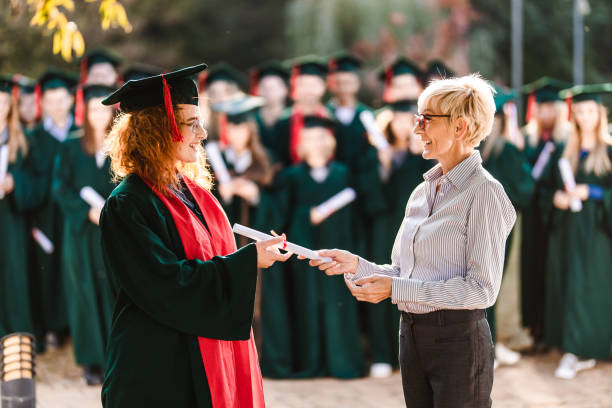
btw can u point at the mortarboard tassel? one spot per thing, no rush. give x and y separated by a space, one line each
387 90
254 81
223 129
568 101
530 112
202 82
15 92
295 72
296 125
331 78
38 94
176 135
79 108
83 77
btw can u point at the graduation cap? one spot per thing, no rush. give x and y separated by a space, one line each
26 85
239 110
545 89
169 89
97 91
404 105
54 78
270 68
306 65
401 66
502 96
98 56
344 62
6 83
140 71
581 93
313 121
220 72
437 68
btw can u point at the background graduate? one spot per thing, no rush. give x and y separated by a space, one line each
82 164
184 293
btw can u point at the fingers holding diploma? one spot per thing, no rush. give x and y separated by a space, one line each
373 289
342 262
268 251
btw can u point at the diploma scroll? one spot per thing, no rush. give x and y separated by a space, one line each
543 158
213 153
91 197
4 156
42 240
296 249
336 202
376 136
570 183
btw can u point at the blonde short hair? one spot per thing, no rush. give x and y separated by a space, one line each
469 97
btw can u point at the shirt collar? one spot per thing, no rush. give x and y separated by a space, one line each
459 174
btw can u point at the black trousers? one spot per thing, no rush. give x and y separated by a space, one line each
446 358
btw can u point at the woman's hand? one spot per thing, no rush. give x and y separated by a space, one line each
246 189
373 289
342 262
385 156
581 191
94 215
268 251
8 184
226 191
561 200
316 217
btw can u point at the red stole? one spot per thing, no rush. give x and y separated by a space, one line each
232 367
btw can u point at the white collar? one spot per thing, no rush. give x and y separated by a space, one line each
240 162
319 175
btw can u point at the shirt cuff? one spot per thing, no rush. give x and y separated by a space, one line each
364 269
595 192
405 290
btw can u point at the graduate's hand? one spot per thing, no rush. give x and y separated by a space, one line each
373 289
581 191
246 189
94 215
316 217
268 251
385 157
226 191
8 184
342 262
561 200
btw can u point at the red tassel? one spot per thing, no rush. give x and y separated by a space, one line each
387 90
223 130
202 82
38 94
79 108
83 78
331 78
297 123
530 112
176 135
254 81
15 92
295 72
568 101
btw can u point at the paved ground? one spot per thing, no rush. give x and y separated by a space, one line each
530 384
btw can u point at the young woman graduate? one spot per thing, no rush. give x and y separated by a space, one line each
181 330
401 170
14 286
323 316
579 282
81 165
547 127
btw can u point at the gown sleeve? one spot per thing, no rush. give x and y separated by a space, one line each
213 299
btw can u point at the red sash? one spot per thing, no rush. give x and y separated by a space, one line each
232 367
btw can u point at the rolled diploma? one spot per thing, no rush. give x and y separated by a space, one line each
515 133
570 183
213 153
4 156
42 240
296 249
91 197
376 136
336 202
538 167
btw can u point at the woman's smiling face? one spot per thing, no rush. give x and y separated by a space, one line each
193 132
438 141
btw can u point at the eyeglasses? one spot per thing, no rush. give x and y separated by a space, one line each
423 120
196 126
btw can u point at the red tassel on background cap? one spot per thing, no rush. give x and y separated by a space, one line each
331 78
296 125
83 78
223 130
202 82
530 112
176 135
38 94
295 72
254 81
15 92
79 108
568 101
388 79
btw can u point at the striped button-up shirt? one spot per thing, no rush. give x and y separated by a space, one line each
449 251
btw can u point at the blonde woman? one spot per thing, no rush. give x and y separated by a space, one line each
448 257
181 331
579 281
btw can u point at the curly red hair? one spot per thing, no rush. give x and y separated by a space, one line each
140 143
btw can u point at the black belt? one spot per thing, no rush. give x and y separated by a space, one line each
444 317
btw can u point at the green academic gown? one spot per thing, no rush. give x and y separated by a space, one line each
383 318
49 306
163 302
510 167
534 247
267 135
579 282
323 319
85 279
15 314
